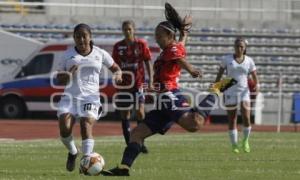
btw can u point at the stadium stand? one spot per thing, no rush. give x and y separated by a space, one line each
274 51
271 30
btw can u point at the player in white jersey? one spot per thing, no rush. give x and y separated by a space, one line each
239 66
80 70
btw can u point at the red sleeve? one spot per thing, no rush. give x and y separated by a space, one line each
176 51
146 51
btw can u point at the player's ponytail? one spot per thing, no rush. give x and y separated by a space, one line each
175 22
173 17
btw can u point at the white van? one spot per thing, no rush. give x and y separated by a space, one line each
29 87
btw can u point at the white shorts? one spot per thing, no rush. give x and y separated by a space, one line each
234 98
79 108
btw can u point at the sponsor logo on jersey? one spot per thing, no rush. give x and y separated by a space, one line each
173 49
129 65
136 51
122 47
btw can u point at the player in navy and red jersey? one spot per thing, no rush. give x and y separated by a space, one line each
172 107
131 54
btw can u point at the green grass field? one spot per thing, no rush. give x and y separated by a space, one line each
181 156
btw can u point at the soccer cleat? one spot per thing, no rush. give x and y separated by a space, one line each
144 149
121 170
235 149
222 85
246 146
71 161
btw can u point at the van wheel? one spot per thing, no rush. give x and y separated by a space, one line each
12 107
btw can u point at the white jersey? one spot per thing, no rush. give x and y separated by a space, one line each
238 71
85 83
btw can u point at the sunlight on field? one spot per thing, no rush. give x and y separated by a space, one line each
186 156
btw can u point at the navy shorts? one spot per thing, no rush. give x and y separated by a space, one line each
127 99
170 107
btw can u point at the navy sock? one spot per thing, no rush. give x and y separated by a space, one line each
130 153
126 130
206 105
139 122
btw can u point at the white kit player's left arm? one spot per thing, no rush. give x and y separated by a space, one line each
112 66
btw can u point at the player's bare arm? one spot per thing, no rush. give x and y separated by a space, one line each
65 76
150 74
117 72
256 81
220 74
189 68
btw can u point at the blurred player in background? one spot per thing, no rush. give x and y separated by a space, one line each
172 105
239 66
79 70
131 54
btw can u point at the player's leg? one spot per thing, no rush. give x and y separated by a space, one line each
140 107
138 135
156 121
232 100
245 111
66 121
131 152
194 119
88 113
124 104
140 116
125 118
140 112
191 121
232 128
86 130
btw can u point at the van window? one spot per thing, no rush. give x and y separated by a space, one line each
40 64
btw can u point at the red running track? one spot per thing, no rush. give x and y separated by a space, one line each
45 129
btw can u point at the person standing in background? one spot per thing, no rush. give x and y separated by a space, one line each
239 66
131 54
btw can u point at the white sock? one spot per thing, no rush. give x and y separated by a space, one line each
233 135
70 144
246 131
87 146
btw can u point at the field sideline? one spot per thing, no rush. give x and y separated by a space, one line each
173 156
47 129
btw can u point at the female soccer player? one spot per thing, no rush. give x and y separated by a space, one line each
80 69
131 54
239 66
172 106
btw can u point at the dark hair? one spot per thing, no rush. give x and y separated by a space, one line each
128 22
241 39
85 27
82 26
174 21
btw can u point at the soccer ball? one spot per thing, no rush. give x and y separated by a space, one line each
92 164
